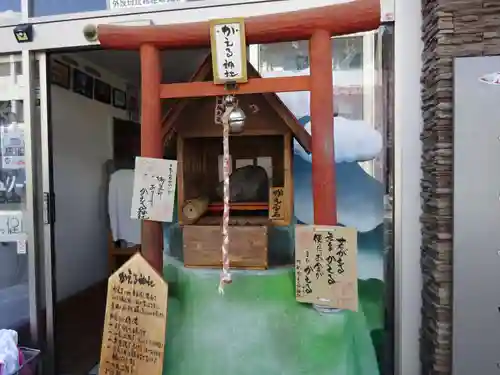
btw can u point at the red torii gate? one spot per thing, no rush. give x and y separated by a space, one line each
317 25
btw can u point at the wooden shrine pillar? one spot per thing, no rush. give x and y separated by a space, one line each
151 144
323 155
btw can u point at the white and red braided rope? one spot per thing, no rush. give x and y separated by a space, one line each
225 277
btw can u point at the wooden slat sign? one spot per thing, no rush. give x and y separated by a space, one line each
326 266
154 189
277 204
229 50
135 322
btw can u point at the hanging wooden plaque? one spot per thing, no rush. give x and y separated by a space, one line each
135 322
277 204
229 50
326 266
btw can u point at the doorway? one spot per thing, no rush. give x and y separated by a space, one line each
20 308
92 131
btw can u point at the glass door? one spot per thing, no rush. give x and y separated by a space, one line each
26 273
20 306
44 198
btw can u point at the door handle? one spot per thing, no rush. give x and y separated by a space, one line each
49 216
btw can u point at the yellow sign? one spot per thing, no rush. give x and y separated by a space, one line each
21 36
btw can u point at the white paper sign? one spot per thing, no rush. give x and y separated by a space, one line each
11 226
124 4
154 189
21 247
228 51
12 142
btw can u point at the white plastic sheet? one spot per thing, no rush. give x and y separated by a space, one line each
9 353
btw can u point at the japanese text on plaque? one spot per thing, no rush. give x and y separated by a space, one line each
277 204
154 189
325 266
229 51
134 331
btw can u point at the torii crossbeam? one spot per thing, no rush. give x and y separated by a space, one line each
317 25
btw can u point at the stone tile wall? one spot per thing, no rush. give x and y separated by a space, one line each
450 28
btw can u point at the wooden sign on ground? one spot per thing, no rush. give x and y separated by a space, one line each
325 266
134 326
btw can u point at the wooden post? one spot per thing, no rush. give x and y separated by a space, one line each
151 144
323 155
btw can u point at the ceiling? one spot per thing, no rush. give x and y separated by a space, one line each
177 66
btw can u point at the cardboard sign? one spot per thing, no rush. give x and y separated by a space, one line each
154 189
134 326
277 204
325 266
229 50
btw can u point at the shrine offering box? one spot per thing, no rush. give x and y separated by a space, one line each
248 246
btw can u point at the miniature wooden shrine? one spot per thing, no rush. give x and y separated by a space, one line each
317 25
261 183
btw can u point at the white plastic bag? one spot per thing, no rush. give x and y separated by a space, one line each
9 353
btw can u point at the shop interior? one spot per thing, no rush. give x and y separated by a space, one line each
94 113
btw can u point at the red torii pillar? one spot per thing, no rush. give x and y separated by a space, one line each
317 25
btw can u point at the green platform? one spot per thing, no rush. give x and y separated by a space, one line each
257 327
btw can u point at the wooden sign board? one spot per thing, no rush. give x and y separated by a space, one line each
154 189
229 50
277 206
134 326
325 266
